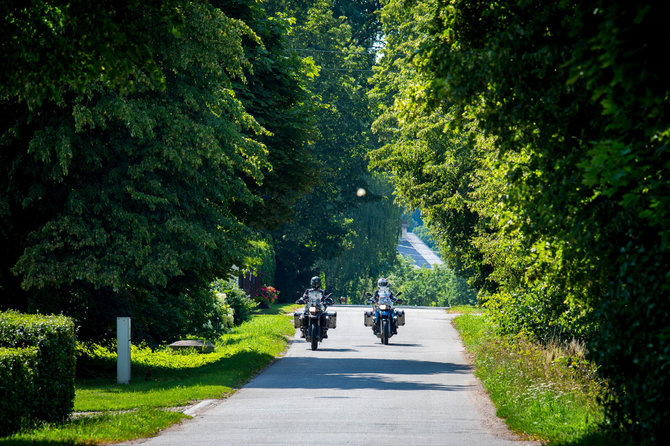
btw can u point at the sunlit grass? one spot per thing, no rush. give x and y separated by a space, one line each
164 378
547 392
107 412
105 428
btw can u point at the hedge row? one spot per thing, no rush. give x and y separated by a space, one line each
48 392
17 385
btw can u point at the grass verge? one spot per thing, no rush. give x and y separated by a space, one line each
162 379
547 393
103 428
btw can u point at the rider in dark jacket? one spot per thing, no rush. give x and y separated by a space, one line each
315 284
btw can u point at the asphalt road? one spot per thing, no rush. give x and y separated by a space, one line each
418 390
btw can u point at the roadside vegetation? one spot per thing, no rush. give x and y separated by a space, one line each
544 392
533 138
161 380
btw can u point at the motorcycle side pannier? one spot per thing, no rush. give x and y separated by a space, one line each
368 322
297 316
400 314
332 319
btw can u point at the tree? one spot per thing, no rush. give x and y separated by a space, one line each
559 107
338 37
371 244
121 200
431 169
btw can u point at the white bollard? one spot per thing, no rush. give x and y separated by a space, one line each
123 350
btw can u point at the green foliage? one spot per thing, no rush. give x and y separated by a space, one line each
18 367
53 47
241 304
533 137
432 168
337 36
437 286
370 245
54 338
262 261
135 166
540 313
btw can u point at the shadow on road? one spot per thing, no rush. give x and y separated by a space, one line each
326 349
359 373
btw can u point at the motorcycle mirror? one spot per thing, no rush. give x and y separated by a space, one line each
399 293
368 294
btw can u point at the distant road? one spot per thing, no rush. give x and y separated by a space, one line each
418 390
412 246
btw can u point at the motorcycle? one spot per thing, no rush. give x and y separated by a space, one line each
314 321
384 318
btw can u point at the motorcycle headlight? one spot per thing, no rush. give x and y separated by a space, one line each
383 307
312 310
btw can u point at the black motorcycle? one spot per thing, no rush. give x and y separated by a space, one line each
384 318
314 321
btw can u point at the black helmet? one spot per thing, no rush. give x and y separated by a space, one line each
316 282
382 282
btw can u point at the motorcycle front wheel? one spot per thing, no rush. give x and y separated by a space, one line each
385 331
315 335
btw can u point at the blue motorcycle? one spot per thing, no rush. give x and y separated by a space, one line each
384 318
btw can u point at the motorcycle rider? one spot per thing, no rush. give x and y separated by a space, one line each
315 284
383 282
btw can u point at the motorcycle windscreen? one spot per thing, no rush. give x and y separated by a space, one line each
384 291
314 297
385 300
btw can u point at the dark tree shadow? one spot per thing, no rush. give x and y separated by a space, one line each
358 373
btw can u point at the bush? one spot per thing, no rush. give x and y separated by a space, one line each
54 337
238 300
17 386
438 286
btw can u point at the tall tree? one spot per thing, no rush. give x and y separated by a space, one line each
131 200
570 181
338 36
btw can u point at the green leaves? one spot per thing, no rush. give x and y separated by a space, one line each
135 182
554 145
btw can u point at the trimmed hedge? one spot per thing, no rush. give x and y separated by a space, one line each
54 338
17 385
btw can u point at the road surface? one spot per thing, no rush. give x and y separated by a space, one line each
418 390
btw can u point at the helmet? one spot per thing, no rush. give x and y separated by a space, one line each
316 282
382 282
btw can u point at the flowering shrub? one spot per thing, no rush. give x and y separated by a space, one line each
266 296
236 298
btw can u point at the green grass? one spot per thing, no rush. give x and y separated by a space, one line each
162 379
104 428
547 393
